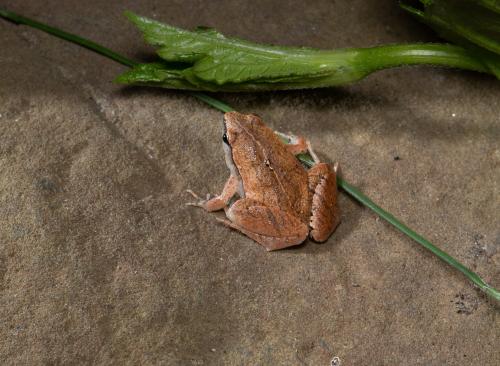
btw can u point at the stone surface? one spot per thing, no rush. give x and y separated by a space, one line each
102 263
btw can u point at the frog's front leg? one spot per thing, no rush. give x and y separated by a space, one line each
325 213
269 226
298 145
218 202
295 144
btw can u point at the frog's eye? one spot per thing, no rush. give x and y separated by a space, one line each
224 138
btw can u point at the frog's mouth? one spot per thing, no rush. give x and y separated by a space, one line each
228 155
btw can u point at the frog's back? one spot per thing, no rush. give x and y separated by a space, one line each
270 173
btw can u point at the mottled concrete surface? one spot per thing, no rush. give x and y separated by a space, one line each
102 263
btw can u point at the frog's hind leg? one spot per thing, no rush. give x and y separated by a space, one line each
325 213
269 226
268 242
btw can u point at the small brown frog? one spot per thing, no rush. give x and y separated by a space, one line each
280 202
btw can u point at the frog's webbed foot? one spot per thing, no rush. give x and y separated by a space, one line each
218 202
208 204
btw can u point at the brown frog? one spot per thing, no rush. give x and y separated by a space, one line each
270 196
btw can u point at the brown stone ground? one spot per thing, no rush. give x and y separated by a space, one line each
102 263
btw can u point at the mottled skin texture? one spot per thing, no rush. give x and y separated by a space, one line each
280 202
325 215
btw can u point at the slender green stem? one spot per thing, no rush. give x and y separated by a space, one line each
365 200
359 196
18 19
348 188
217 104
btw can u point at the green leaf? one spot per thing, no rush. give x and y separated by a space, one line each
220 60
240 66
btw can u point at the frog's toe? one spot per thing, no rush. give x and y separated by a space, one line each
311 152
200 203
197 204
225 222
193 194
197 196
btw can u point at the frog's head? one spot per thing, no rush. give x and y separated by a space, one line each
238 141
232 129
239 127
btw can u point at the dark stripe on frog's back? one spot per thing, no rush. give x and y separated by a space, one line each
265 177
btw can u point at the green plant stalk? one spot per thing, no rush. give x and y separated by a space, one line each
19 19
360 62
346 65
306 159
383 57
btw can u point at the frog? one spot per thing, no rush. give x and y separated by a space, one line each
270 196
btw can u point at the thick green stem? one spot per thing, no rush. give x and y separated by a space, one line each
353 64
383 57
399 54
